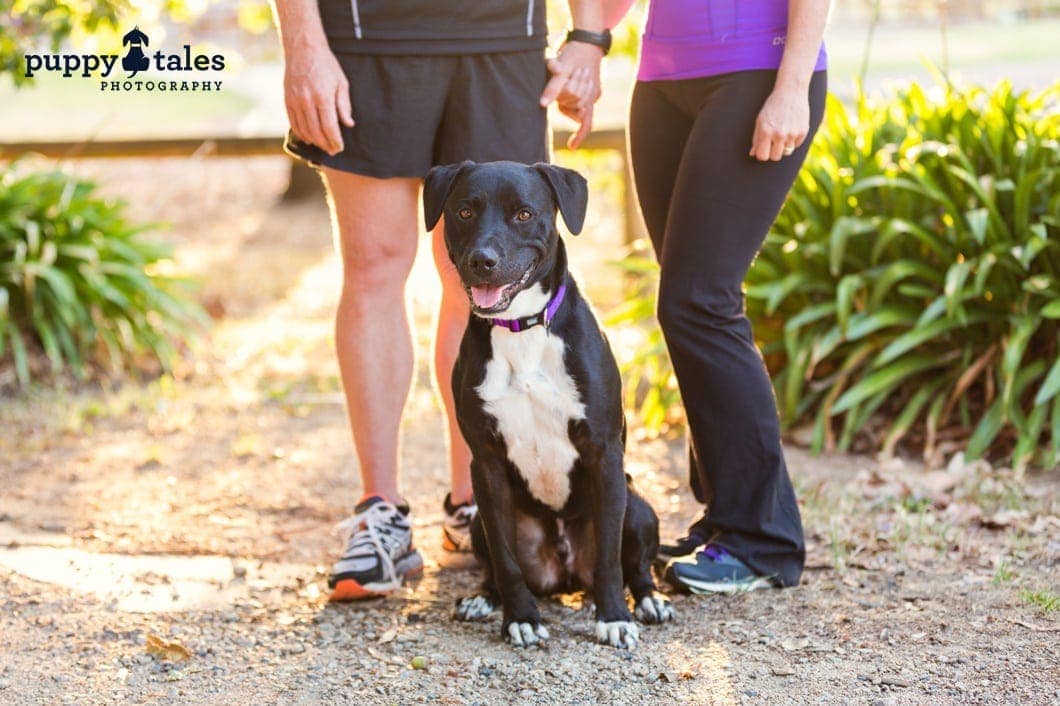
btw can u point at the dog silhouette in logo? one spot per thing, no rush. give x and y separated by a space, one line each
135 61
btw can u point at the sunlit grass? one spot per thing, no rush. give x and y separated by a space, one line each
1004 574
1043 599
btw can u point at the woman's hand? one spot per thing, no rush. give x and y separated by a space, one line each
317 96
782 124
575 85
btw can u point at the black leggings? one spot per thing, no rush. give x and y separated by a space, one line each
708 207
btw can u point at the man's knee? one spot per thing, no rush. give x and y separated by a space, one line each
377 228
382 264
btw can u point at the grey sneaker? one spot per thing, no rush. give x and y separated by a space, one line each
379 555
713 570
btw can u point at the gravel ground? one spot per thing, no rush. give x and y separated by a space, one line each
911 636
165 541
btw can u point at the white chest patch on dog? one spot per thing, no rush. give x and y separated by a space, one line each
528 391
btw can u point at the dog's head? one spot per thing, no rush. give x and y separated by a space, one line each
500 223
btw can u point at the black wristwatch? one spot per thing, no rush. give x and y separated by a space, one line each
597 39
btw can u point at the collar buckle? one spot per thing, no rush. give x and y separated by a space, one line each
543 317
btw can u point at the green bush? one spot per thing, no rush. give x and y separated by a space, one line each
913 276
650 388
77 281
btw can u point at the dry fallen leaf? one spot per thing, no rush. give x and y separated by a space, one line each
170 651
1005 518
1043 524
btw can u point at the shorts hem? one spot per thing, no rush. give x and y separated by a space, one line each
318 160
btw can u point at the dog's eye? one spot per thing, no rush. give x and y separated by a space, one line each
465 213
524 215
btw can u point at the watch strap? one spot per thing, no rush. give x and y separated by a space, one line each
597 39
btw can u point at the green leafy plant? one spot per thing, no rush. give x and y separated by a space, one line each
651 388
77 281
913 276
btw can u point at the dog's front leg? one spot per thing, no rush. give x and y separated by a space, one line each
522 621
614 624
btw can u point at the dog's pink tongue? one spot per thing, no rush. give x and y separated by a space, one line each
486 297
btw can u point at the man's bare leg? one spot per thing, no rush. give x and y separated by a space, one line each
376 226
452 319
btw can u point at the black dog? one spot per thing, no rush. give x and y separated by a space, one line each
538 398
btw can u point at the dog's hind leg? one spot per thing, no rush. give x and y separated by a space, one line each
482 604
640 544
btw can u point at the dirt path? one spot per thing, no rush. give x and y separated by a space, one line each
197 510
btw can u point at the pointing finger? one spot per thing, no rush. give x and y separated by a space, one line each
584 129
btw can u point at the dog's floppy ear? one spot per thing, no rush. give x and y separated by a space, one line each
436 186
571 192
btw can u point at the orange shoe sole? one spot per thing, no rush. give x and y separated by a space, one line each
453 558
350 590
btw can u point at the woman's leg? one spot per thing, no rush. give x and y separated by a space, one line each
723 204
658 130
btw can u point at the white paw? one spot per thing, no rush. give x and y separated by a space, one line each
654 609
525 634
474 608
622 634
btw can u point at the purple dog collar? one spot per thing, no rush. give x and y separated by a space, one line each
544 317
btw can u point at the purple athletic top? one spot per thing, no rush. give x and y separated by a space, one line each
695 38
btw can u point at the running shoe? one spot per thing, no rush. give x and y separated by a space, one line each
379 555
713 570
456 534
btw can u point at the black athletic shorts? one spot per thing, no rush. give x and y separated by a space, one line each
413 112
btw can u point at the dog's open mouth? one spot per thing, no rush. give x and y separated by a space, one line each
491 299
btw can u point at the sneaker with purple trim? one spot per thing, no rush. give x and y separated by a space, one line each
713 570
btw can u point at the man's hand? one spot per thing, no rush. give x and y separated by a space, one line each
575 85
782 124
317 95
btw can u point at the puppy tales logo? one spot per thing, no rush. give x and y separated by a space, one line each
137 60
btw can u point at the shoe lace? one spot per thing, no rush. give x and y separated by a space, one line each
374 528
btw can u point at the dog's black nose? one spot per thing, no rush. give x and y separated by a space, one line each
483 259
